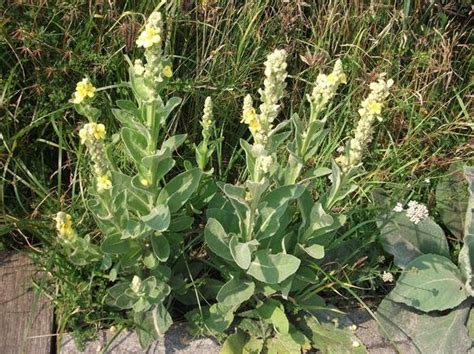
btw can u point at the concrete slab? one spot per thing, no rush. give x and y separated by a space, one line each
26 319
176 340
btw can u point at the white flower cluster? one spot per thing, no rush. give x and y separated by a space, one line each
274 86
370 110
326 85
415 212
207 118
387 277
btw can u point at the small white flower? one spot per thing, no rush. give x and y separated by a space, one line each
416 212
387 277
398 208
427 181
355 344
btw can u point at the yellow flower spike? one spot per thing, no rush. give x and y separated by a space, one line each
149 37
167 71
103 183
84 89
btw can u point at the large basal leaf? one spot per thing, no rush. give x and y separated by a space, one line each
451 201
179 189
217 240
273 268
406 240
466 256
235 292
415 331
430 282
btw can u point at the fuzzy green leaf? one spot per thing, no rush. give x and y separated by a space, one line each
235 292
273 268
161 247
220 317
430 282
135 142
177 192
234 343
406 240
273 311
466 256
424 333
451 200
114 244
158 219
240 252
315 251
217 239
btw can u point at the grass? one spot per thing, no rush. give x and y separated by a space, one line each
218 50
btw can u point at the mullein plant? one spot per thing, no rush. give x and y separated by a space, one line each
142 216
268 234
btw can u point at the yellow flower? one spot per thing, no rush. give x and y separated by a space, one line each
99 131
167 71
84 89
374 107
332 78
250 118
103 183
149 37
254 125
144 182
91 132
64 226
